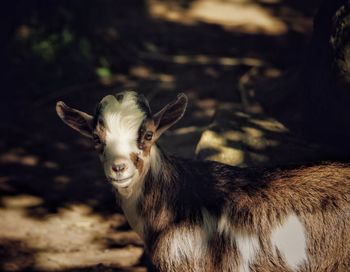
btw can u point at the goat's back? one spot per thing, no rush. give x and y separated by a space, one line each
213 217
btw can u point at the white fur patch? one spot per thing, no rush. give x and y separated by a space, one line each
187 243
247 245
290 240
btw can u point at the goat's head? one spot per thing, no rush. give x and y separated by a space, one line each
123 131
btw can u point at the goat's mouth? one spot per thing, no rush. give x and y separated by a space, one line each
121 182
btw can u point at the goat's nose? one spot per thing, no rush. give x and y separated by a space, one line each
119 167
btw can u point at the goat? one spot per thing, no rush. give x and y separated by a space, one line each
208 216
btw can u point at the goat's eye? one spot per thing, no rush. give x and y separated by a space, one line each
148 135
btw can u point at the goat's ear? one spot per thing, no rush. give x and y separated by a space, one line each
170 114
78 120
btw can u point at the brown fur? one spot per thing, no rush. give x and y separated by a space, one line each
255 201
137 161
99 132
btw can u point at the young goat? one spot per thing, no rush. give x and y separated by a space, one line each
207 216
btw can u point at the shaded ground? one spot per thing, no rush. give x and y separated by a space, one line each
56 210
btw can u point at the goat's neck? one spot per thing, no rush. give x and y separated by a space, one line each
156 170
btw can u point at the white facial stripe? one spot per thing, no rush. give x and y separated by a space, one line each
122 120
290 240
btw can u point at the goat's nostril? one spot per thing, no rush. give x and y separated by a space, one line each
119 167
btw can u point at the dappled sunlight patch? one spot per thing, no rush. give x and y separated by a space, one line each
206 103
185 130
253 132
143 72
214 138
61 146
228 154
166 78
170 12
50 165
256 140
205 113
214 147
15 157
245 16
115 258
140 71
20 201
271 72
264 123
269 124
62 179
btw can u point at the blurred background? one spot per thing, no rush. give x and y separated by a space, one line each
239 62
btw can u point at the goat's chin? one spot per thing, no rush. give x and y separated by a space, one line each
122 182
126 188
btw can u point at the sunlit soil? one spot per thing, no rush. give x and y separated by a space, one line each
75 237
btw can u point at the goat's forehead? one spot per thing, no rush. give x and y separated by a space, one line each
121 110
118 102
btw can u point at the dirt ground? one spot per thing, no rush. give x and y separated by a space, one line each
57 212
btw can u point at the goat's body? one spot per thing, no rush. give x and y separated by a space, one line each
207 216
